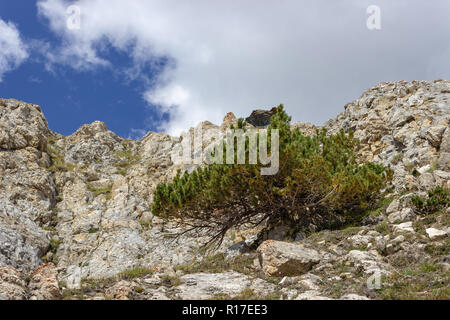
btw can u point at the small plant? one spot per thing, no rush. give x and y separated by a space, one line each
54 245
426 267
135 273
397 158
50 256
351 230
138 289
58 162
438 199
98 191
49 228
438 249
247 294
171 281
382 228
70 294
379 207
359 248
433 166
126 159
145 224
217 263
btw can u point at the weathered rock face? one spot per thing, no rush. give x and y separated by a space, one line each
78 207
27 191
44 283
11 284
436 234
285 259
18 251
369 262
405 125
104 222
92 143
200 286
260 118
228 121
23 125
305 128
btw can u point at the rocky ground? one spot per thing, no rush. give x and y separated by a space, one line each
75 221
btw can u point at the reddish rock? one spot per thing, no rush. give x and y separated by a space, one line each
44 283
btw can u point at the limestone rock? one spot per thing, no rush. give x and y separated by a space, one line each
436 234
206 286
92 143
120 291
369 262
11 284
400 216
27 190
310 281
282 258
394 206
402 124
311 295
44 283
442 178
305 128
16 252
83 201
22 125
353 296
404 227
359 240
434 135
228 121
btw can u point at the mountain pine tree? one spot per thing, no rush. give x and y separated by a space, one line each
319 181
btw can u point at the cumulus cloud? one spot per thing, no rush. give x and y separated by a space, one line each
12 50
313 56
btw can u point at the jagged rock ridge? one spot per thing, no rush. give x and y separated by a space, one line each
75 209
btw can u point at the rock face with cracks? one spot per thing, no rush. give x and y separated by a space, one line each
75 218
286 259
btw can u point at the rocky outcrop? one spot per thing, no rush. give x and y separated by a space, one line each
436 234
75 215
202 286
260 118
285 259
92 143
44 283
27 191
12 286
23 125
404 125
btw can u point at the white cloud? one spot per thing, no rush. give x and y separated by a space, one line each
136 134
12 50
314 56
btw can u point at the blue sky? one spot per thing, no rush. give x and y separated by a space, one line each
166 65
70 98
